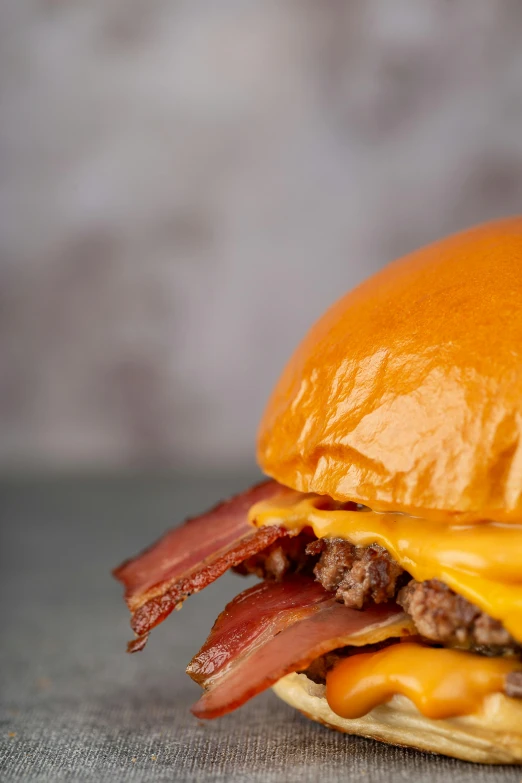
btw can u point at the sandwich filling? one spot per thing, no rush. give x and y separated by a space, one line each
479 561
371 604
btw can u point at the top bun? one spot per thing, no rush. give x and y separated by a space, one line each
407 394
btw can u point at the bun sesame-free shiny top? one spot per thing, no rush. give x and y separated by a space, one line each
407 393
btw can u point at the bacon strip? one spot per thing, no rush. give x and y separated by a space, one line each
273 629
190 557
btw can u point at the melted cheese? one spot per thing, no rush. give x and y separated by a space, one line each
481 561
395 628
441 683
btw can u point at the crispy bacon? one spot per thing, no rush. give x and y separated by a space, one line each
270 630
190 557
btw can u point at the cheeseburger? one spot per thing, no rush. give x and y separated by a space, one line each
388 536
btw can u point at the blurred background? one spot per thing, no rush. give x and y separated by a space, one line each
185 186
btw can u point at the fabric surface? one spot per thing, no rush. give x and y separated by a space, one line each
75 707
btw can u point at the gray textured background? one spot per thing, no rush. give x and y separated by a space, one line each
184 187
75 707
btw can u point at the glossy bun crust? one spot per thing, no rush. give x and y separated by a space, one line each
407 394
493 736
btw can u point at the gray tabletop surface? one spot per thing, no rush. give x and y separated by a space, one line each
75 707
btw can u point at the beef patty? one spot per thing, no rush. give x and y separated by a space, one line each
359 575
445 617
356 574
285 556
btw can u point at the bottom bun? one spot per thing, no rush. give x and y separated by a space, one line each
493 736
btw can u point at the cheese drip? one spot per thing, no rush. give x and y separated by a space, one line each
441 683
481 561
